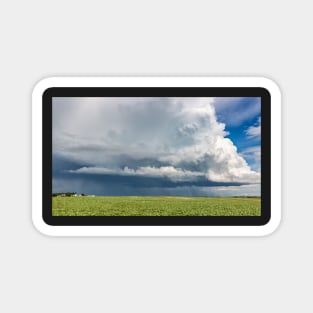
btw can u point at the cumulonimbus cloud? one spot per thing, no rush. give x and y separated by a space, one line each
176 138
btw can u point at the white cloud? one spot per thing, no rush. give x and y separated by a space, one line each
255 130
177 138
175 174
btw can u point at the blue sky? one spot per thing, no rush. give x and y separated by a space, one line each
242 117
157 146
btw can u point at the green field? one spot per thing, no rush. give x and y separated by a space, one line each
155 206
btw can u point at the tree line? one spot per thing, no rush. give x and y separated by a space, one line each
66 194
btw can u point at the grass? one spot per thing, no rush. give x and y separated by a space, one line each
155 206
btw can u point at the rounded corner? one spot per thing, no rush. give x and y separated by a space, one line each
270 86
42 226
43 85
271 226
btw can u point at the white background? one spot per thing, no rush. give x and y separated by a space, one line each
201 38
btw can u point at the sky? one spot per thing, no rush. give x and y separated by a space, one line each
152 146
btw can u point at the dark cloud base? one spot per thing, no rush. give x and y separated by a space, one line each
125 185
118 185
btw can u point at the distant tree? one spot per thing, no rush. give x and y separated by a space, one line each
63 194
70 194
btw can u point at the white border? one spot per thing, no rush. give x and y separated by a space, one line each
156 82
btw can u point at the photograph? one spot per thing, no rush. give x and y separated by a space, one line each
156 156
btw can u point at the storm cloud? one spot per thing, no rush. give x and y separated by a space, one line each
133 145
